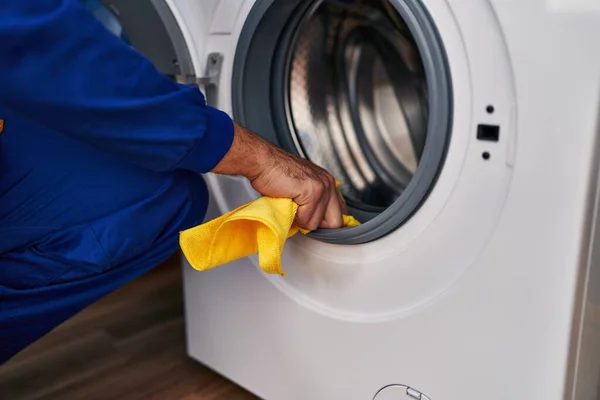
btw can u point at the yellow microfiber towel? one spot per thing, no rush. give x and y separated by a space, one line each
262 226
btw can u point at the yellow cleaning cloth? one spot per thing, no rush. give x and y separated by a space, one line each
262 226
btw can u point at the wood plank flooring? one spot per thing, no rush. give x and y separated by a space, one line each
130 345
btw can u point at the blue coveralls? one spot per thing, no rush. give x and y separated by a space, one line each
100 163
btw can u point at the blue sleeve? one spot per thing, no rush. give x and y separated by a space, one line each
61 68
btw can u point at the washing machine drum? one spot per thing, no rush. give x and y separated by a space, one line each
360 87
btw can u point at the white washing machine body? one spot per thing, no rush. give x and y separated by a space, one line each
488 287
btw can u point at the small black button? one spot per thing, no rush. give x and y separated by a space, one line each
490 133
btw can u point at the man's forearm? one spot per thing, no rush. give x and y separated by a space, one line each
247 155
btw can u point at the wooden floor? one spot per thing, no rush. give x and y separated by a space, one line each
130 345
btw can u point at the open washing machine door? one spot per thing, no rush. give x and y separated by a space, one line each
151 28
156 29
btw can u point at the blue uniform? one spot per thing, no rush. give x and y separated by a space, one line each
101 159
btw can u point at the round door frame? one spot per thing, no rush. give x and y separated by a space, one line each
258 77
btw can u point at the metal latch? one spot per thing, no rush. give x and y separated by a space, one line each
209 83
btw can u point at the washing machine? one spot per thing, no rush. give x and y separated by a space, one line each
465 137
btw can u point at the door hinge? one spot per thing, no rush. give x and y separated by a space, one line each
209 83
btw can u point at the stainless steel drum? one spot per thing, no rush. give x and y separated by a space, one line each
357 98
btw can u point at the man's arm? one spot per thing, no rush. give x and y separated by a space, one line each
62 68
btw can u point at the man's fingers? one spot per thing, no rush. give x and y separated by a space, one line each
307 203
310 206
309 216
343 205
333 214
303 215
320 204
319 213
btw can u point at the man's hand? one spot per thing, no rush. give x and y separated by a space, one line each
274 172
